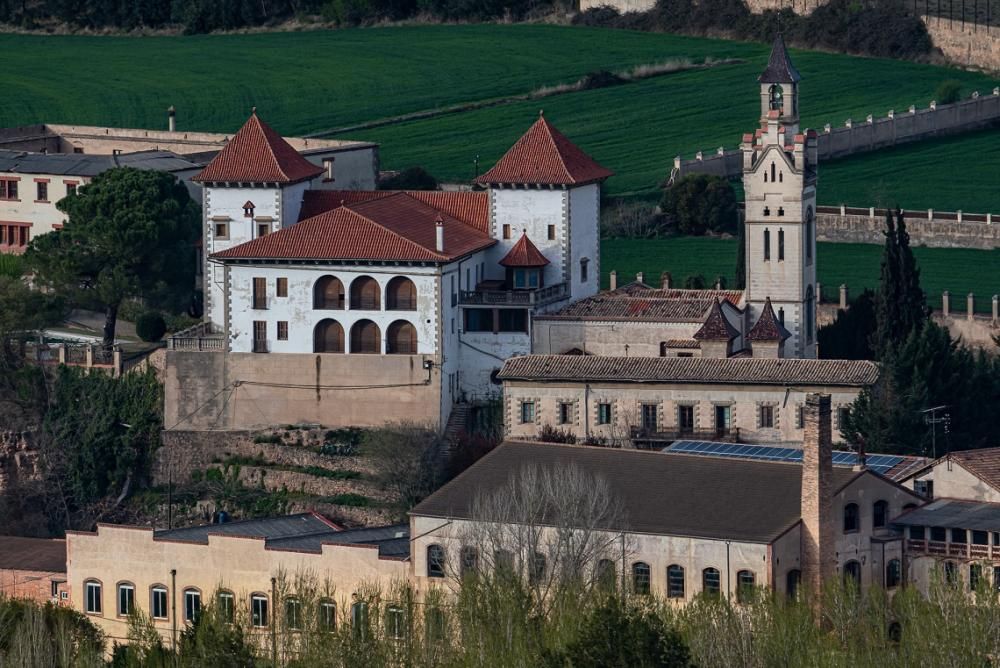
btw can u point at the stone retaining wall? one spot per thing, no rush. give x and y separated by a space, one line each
926 229
966 43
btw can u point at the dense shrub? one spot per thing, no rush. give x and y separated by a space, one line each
411 178
550 434
625 219
150 326
700 204
948 91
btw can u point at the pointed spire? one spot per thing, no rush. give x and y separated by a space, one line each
768 327
716 327
779 66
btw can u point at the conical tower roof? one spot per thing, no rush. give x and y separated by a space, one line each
524 254
779 66
768 327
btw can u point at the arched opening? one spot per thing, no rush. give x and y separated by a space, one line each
675 581
852 573
711 582
775 96
328 337
401 339
640 578
401 295
745 583
365 294
893 573
365 337
792 581
328 294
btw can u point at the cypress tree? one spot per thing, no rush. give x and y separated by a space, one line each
900 303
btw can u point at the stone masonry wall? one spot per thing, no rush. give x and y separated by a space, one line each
934 232
966 44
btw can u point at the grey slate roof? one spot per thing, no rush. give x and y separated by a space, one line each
954 513
32 554
80 164
779 66
677 495
304 532
746 371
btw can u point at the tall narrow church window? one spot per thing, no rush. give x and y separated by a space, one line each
809 234
781 316
781 177
772 172
584 262
767 245
775 95
781 245
810 313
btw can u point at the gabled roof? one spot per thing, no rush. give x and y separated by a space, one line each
678 370
544 156
768 327
258 154
779 65
524 254
984 463
716 327
394 228
678 495
470 207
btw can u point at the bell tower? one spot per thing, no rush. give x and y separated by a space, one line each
779 179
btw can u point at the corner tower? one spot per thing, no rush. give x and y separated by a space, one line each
779 179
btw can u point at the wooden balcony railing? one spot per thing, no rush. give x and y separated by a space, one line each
538 297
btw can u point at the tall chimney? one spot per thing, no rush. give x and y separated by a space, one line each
613 280
172 119
439 229
818 562
665 280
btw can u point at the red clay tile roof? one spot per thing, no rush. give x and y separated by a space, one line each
397 227
524 254
716 327
768 327
32 554
258 154
636 302
544 156
983 463
472 208
748 371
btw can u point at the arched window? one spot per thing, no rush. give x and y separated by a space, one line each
92 591
767 245
366 338
401 339
775 96
258 610
192 605
809 234
781 243
327 615
640 578
328 337
675 581
226 602
773 170
852 573
401 295
293 614
781 315
158 602
711 583
365 294
126 599
880 514
851 518
470 561
792 581
605 574
745 582
781 179
810 313
328 293
893 573
435 561
395 622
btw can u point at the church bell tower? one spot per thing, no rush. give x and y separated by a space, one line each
779 179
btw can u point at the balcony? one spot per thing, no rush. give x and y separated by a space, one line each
940 548
488 293
202 337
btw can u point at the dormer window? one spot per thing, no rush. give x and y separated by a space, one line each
526 279
775 96
248 209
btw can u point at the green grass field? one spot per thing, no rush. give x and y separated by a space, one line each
958 270
310 81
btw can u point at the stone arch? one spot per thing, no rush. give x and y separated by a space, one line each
401 338
366 338
401 295
328 293
328 337
365 294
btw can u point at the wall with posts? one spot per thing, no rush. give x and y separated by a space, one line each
935 229
870 134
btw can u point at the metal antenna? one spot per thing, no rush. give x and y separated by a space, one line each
931 418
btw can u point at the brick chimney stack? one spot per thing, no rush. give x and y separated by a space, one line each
818 561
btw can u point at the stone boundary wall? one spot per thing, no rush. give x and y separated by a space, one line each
927 228
979 111
965 43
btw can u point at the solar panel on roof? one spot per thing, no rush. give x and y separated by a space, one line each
878 463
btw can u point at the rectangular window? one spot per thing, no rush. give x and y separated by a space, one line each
92 591
281 288
221 230
916 533
258 610
584 270
158 603
282 330
327 616
766 417
126 600
395 623
842 414
259 293
527 412
565 413
767 245
42 191
781 244
192 605
685 419
513 320
603 413
723 416
454 295
959 536
478 319
552 232
260 336
70 187
506 231
980 537
939 534
800 416
227 606
293 614
8 189
649 417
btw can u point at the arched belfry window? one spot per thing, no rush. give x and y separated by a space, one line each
776 97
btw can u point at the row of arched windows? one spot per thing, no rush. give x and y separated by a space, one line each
365 294
365 338
852 516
